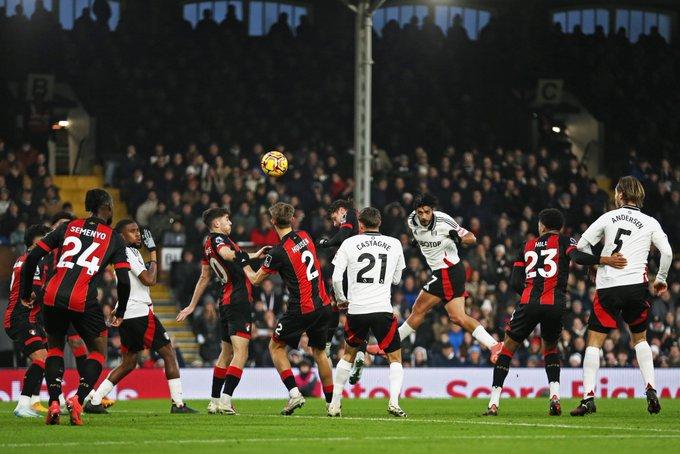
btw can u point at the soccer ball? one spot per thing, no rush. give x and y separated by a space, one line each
274 164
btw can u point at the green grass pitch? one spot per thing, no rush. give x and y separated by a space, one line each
434 425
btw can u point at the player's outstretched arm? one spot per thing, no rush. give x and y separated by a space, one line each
337 239
123 291
201 285
518 277
616 260
255 278
660 240
27 273
149 276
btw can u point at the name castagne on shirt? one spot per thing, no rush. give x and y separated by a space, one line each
373 242
625 217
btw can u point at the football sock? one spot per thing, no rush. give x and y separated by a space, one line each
360 355
289 380
219 376
33 378
483 337
396 376
328 392
495 396
232 379
24 401
104 389
555 389
175 385
35 398
645 360
405 330
342 372
552 370
54 372
591 363
92 369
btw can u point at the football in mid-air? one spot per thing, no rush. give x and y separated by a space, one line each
274 163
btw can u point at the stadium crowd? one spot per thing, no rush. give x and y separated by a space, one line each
171 82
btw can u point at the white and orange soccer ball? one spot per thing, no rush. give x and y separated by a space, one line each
274 163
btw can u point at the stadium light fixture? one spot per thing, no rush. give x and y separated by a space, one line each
556 129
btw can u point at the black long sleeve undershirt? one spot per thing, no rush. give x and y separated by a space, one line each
123 289
339 237
28 272
583 258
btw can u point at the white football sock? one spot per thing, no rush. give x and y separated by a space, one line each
360 356
62 400
495 396
555 389
35 400
24 401
225 399
591 364
101 392
89 397
483 337
405 330
645 360
175 385
396 381
215 400
342 372
295 392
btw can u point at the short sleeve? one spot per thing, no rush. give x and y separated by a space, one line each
446 223
401 262
54 239
569 245
136 266
218 242
119 257
594 233
341 260
272 261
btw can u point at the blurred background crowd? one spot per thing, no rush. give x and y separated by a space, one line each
185 113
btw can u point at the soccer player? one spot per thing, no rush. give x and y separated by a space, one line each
344 217
439 237
86 247
629 231
373 263
23 327
540 277
48 265
140 329
294 258
220 255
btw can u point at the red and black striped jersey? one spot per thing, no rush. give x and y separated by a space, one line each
47 266
545 266
17 312
236 289
85 247
295 259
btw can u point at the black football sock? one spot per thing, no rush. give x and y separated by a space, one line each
328 393
54 373
219 377
92 369
500 370
233 378
552 367
288 379
33 378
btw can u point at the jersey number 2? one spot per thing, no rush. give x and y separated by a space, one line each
308 259
85 260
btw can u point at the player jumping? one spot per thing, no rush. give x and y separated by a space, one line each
294 258
344 217
374 262
439 237
629 231
540 277
220 255
23 327
86 247
140 328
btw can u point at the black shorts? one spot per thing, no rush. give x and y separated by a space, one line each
333 322
383 325
290 328
89 324
29 336
527 316
447 283
631 301
236 320
139 333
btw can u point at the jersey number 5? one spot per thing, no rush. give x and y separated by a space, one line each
549 268
618 240
85 260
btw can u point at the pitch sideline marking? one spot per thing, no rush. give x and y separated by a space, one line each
319 439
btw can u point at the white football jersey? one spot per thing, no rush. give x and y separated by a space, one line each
140 295
435 243
374 263
629 231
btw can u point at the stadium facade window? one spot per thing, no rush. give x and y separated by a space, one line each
193 12
402 14
635 22
262 15
70 10
29 6
474 20
587 19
